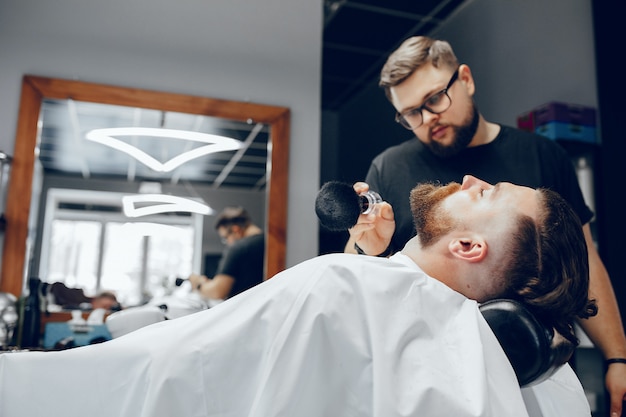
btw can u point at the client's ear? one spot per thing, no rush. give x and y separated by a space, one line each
471 249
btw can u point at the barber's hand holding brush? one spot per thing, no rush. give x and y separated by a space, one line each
368 219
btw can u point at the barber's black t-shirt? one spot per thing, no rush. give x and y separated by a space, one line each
244 261
515 156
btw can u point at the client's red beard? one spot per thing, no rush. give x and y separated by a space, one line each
431 222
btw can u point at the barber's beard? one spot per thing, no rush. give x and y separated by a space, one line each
463 135
430 220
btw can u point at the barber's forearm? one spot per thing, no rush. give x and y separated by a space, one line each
350 246
605 330
216 288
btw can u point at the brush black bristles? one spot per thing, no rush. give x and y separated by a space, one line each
337 206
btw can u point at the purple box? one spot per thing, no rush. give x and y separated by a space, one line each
573 114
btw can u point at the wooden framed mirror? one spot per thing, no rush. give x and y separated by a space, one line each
35 89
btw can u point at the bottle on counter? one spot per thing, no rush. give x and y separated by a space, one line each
31 324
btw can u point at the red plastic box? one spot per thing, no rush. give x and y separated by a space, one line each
526 121
571 114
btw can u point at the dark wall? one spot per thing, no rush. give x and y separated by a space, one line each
608 20
358 134
365 131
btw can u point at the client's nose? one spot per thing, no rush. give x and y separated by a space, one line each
470 181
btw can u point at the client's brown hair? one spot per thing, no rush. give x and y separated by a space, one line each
549 266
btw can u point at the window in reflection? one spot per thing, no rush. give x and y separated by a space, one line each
142 260
74 254
88 243
138 260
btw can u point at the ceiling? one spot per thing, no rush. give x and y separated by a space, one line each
359 35
64 150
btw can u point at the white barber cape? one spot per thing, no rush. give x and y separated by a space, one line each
338 335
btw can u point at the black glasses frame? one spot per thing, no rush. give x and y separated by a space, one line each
400 117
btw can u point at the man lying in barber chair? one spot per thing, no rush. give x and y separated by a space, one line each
75 298
350 335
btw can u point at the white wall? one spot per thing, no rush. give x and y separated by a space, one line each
525 53
265 51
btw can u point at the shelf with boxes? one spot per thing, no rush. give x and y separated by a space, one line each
562 121
574 127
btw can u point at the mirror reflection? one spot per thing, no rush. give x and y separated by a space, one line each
87 191
88 238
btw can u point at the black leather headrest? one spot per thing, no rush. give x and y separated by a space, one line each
534 350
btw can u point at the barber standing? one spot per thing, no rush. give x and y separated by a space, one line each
242 263
433 96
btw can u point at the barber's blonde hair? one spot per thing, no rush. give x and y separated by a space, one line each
412 54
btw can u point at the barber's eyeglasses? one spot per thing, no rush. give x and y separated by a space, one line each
437 103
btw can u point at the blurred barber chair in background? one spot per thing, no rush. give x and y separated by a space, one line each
158 309
125 321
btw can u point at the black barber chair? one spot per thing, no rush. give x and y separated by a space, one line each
534 350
